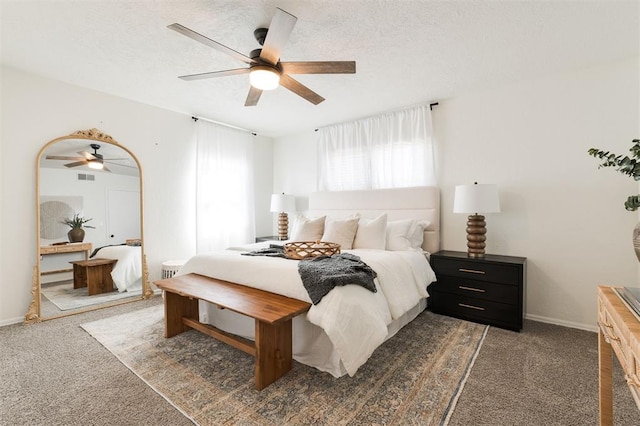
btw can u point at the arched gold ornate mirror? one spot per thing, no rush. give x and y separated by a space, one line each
88 184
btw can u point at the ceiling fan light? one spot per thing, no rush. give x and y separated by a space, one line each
264 77
97 165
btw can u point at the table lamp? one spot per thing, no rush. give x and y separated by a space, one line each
476 198
283 203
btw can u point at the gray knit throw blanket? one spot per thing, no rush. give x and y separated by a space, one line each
321 274
273 250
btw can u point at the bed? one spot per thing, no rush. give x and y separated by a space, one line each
340 333
127 272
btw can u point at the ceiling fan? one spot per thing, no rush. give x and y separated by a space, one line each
265 70
92 160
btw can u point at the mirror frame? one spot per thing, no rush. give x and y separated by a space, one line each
34 311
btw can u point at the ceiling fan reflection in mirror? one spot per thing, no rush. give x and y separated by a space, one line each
93 160
265 70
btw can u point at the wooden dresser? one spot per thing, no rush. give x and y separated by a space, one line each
618 328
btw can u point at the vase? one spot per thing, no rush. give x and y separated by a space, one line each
636 240
76 235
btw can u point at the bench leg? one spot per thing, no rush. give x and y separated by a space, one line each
273 352
175 308
79 276
99 279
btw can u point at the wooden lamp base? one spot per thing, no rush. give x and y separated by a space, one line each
476 235
283 226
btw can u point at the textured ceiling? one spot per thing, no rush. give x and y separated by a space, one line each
407 52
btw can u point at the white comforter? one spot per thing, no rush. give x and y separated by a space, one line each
127 272
354 319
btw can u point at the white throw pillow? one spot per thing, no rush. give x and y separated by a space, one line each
306 229
398 234
341 232
416 233
371 234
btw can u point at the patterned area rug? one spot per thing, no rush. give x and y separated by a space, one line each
65 297
413 378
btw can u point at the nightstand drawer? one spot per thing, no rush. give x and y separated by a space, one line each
476 309
493 272
501 293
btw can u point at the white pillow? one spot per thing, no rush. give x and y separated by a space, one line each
340 231
398 234
416 233
307 229
371 234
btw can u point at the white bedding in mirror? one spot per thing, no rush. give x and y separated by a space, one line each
127 272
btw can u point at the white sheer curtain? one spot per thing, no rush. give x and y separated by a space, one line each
387 151
225 193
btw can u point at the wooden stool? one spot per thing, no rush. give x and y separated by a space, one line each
95 274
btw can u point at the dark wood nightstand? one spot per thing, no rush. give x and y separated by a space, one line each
263 239
488 290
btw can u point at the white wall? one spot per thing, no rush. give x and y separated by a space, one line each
558 209
295 164
35 110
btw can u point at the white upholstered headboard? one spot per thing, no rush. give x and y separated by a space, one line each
422 202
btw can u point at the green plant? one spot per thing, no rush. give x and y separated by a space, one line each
625 165
77 222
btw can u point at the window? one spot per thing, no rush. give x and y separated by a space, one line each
388 151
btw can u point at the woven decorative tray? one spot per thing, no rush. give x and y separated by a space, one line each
310 249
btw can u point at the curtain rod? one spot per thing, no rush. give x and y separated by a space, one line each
431 105
196 118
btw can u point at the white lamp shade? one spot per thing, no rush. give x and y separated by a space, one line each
476 198
283 203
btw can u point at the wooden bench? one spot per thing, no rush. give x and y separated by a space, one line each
272 312
95 274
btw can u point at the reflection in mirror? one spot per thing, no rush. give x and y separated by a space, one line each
90 251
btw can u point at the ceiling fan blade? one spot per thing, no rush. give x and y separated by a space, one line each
211 43
118 164
280 29
300 89
62 157
253 97
214 74
105 168
87 155
76 164
335 67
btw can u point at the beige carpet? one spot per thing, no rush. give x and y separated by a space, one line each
414 378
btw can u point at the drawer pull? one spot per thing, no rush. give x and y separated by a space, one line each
471 271
471 306
607 335
479 290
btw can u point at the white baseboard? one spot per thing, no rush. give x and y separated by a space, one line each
556 321
11 321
